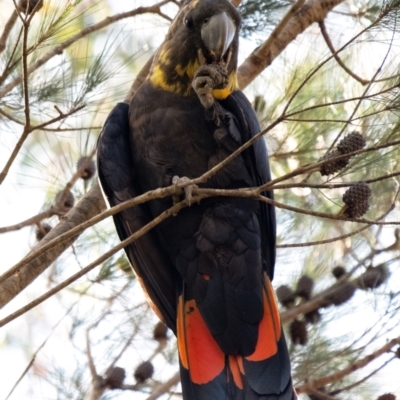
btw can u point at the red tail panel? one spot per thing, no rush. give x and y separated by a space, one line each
199 352
269 330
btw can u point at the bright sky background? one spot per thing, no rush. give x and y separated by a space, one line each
19 201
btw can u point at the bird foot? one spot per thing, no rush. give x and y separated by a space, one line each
187 190
207 78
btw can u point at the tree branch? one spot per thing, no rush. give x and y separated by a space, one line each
337 376
360 381
325 241
34 355
30 221
164 388
262 57
7 30
84 32
336 56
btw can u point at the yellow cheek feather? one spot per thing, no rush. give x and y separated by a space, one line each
164 57
157 78
189 70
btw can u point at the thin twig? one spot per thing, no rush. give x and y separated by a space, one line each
314 167
60 117
376 222
327 39
332 103
369 84
77 175
359 382
321 395
337 376
124 348
162 344
253 193
25 87
164 387
325 241
320 65
393 246
9 65
11 117
7 30
30 221
332 185
262 56
27 130
83 128
34 355
92 367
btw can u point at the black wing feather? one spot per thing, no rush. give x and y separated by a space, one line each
256 158
146 255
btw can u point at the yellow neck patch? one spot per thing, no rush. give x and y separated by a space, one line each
182 76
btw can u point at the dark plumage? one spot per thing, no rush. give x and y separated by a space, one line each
207 271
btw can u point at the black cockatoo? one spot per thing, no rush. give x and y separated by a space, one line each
207 271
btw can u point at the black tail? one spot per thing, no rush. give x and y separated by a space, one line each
209 374
257 383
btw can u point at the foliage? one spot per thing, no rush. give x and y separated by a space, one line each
260 15
306 101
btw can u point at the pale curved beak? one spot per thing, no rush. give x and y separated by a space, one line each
217 35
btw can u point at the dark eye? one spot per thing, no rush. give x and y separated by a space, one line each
189 22
206 21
